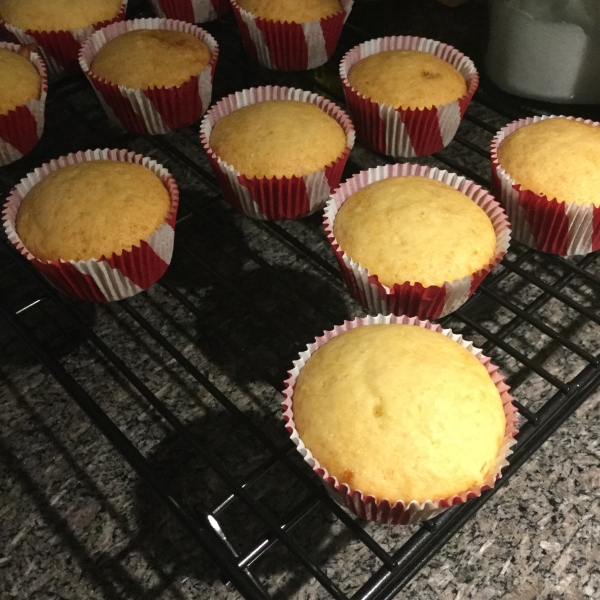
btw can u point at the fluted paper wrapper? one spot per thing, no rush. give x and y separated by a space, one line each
274 198
154 110
60 49
407 132
109 278
405 298
291 46
547 224
22 128
393 511
191 11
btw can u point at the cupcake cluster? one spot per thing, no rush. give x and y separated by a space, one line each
399 417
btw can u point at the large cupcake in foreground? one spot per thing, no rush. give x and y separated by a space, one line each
399 417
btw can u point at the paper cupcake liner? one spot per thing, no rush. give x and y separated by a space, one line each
563 228
407 132
60 49
108 278
385 510
291 46
22 128
191 11
404 298
273 198
154 110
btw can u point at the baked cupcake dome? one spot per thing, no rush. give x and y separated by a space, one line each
291 35
172 61
59 27
23 89
415 229
291 11
278 138
545 174
278 197
134 265
401 249
90 210
400 423
423 127
145 58
557 158
20 81
58 15
407 79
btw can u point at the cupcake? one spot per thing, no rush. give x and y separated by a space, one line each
277 152
414 240
58 27
546 174
399 417
99 225
191 11
291 35
407 95
23 89
151 75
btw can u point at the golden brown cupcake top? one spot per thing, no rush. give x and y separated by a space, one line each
19 81
57 15
90 210
407 79
415 229
559 158
278 138
292 11
400 412
146 58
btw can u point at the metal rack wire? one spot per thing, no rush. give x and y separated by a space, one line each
511 316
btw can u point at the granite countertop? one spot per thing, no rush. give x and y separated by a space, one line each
75 520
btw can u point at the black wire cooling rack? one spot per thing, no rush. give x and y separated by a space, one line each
256 292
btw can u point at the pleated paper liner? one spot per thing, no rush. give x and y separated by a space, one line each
60 49
154 110
191 11
22 128
291 46
393 511
273 198
406 132
109 278
404 298
547 224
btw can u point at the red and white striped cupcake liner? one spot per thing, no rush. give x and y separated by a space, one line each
389 510
407 132
547 224
274 198
155 110
405 298
22 128
59 49
192 11
109 278
291 46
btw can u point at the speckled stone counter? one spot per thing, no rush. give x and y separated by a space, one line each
76 522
